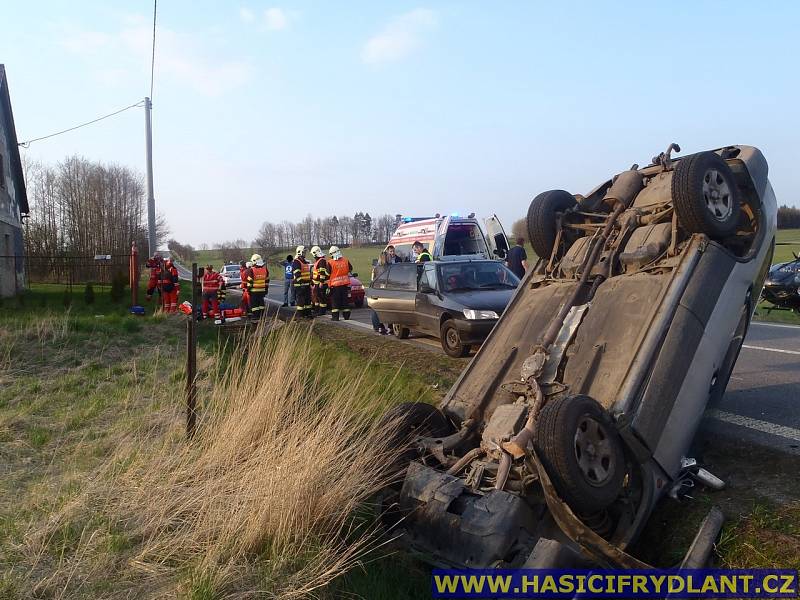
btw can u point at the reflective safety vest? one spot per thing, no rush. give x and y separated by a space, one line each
212 281
259 279
302 276
340 272
424 256
169 278
319 274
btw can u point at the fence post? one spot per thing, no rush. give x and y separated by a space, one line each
191 361
133 274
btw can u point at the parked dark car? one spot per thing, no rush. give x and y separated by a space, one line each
782 287
456 301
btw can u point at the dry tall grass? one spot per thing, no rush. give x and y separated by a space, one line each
262 503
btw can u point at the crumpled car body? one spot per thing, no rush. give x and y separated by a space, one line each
632 311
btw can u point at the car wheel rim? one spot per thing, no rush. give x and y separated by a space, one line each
717 195
452 338
593 451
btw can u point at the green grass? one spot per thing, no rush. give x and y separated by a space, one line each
787 241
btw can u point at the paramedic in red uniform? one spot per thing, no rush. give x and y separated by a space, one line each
211 283
169 286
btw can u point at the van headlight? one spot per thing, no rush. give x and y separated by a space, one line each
473 314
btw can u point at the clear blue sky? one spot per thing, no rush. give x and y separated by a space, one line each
269 111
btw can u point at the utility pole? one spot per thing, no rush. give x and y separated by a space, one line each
151 201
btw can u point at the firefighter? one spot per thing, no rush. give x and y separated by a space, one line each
168 282
211 283
422 252
301 277
245 304
319 281
339 282
154 264
257 285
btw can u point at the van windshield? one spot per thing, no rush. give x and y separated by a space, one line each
464 238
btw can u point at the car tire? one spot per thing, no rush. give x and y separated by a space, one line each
451 341
400 332
541 220
359 303
705 195
581 451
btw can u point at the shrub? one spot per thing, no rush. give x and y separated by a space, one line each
88 294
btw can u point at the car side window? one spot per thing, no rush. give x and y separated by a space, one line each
402 276
428 277
380 280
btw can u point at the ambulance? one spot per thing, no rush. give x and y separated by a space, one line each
451 237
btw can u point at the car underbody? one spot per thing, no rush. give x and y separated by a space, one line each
577 414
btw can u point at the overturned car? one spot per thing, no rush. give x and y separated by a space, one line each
577 414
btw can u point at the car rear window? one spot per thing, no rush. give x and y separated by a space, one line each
464 238
402 276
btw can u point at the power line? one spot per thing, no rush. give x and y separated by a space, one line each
27 143
153 59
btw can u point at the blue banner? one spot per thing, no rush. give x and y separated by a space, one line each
577 583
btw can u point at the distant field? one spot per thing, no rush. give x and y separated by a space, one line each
787 240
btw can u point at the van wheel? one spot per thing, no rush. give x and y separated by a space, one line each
581 451
705 195
541 221
451 341
400 331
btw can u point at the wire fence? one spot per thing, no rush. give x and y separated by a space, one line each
69 270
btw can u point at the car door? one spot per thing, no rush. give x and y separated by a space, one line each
438 241
393 294
496 238
427 300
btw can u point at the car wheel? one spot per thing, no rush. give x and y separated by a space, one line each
359 303
451 341
541 221
705 195
581 451
400 331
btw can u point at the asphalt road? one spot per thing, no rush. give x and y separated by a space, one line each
761 404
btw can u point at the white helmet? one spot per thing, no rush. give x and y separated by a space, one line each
257 260
335 252
317 252
300 251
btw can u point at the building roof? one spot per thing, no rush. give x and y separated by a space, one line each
16 162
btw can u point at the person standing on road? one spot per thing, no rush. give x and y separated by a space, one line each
339 284
211 283
243 267
257 285
517 259
377 270
301 276
154 264
170 287
422 252
319 281
288 276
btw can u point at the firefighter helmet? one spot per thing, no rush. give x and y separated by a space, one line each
300 251
257 260
317 252
335 252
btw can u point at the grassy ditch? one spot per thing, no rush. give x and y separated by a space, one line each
101 497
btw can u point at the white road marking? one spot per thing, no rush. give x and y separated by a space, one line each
780 325
763 426
796 352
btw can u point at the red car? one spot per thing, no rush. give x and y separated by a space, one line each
356 296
